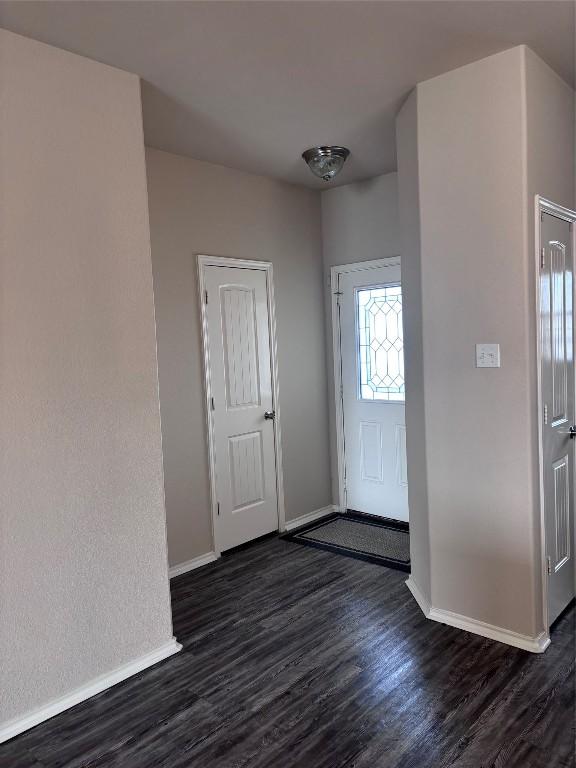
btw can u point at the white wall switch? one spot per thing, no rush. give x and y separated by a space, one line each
487 355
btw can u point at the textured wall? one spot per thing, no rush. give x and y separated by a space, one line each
474 288
481 133
83 576
359 223
197 207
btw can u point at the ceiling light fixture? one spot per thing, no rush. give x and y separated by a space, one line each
326 162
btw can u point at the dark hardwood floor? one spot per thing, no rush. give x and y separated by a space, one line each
296 657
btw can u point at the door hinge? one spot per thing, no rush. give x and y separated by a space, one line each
545 413
206 297
212 404
218 508
542 258
549 566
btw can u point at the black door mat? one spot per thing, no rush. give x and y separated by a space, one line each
365 537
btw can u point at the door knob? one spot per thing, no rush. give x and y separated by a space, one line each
270 415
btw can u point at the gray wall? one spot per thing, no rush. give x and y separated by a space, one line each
197 207
359 223
464 185
83 571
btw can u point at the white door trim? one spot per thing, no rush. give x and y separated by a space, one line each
335 272
224 261
542 205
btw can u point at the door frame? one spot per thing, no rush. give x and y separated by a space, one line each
543 205
335 272
266 267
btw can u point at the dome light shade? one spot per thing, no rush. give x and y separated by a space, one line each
326 162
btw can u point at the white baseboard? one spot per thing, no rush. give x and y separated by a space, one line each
310 517
12 728
418 595
190 565
536 644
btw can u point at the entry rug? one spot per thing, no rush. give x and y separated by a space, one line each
365 537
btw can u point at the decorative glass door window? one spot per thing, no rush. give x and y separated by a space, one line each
380 343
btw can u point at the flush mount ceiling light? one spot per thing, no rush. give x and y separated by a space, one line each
326 162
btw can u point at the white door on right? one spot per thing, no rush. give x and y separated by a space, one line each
372 354
557 351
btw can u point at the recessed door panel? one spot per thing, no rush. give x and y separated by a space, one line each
561 502
240 346
558 321
401 465
371 452
246 470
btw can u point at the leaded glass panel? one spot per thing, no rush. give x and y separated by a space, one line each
380 343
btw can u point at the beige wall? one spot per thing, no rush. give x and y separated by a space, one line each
550 167
359 223
197 207
409 221
466 186
475 289
83 574
550 134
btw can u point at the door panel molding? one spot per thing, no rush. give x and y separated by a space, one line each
401 463
561 475
239 308
247 469
544 206
204 261
371 460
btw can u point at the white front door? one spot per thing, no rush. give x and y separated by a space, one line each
371 343
242 408
557 350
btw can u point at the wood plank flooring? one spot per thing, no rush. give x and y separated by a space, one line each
299 658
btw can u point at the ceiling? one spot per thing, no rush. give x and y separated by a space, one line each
251 85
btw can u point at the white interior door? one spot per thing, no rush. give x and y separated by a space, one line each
242 408
371 343
557 350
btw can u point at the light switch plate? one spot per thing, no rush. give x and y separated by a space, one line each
487 355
